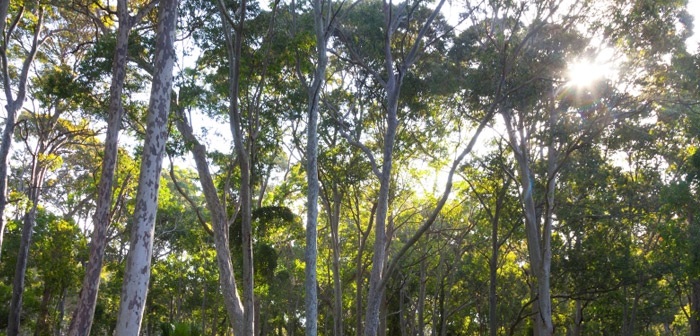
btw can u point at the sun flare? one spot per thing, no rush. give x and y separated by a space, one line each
584 73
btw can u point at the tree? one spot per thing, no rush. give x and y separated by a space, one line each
84 312
15 100
321 27
137 272
46 135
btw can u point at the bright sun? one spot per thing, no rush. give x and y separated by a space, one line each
584 73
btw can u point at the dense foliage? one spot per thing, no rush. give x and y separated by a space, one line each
471 180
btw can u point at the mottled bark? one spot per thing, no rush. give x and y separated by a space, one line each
137 273
81 322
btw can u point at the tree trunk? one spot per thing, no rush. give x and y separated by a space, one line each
493 272
58 324
695 307
332 206
42 320
233 46
137 273
13 103
311 253
576 327
29 220
376 290
539 260
420 309
81 322
227 281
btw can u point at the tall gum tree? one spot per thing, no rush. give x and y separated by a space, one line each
46 144
234 33
83 315
14 85
390 76
137 272
321 29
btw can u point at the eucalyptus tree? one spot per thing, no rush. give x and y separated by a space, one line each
85 310
322 28
46 136
48 129
523 57
137 272
406 32
13 35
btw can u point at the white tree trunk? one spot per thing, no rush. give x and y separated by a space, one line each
138 264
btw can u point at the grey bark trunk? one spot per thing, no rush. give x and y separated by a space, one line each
337 285
538 242
137 273
311 252
392 86
332 206
376 291
233 46
81 322
576 326
29 219
14 103
227 281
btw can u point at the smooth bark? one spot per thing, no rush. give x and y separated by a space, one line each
227 281
538 235
28 222
234 40
13 102
311 252
137 273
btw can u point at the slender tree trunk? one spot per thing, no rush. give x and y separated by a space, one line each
42 320
493 270
83 315
58 325
420 310
9 129
542 308
576 327
335 245
227 281
137 273
695 307
29 221
233 46
13 103
376 290
311 252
